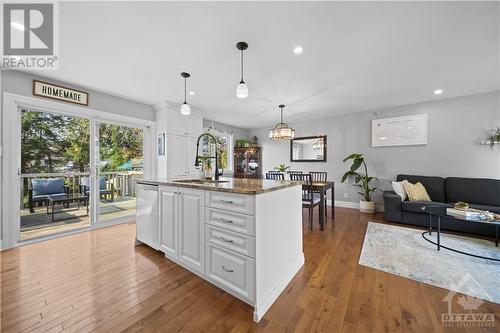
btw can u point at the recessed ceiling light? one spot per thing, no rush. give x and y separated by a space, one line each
192 93
17 25
438 92
298 50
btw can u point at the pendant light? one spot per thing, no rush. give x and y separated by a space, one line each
242 89
185 109
281 131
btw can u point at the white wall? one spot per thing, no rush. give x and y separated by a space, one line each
455 127
21 83
239 133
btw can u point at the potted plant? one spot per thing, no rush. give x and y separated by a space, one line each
282 168
243 143
366 205
493 137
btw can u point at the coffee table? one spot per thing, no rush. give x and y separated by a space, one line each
67 198
440 212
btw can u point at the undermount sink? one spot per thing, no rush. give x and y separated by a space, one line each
199 181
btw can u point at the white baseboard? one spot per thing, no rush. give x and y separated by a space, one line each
261 308
354 205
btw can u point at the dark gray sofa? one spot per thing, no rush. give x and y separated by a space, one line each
480 193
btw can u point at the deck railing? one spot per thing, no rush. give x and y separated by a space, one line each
122 182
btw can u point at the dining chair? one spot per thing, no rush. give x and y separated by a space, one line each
320 176
309 198
290 173
275 176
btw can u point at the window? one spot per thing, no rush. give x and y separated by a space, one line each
225 142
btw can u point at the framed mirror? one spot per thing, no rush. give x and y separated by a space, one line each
308 149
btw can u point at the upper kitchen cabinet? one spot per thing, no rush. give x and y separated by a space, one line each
180 145
178 124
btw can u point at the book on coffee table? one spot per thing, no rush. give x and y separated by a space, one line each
467 214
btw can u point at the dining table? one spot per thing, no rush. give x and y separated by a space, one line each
322 188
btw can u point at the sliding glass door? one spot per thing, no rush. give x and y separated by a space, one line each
55 163
120 161
68 181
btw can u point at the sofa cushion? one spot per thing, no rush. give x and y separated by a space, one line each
416 192
493 209
433 185
478 191
47 186
416 206
45 197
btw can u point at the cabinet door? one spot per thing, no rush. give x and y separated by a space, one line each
191 229
176 156
194 125
147 215
169 221
176 123
190 157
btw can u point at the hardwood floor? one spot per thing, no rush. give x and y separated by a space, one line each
99 281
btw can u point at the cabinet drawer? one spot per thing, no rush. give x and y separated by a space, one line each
234 202
231 221
231 271
231 240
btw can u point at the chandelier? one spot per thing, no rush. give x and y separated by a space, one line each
281 131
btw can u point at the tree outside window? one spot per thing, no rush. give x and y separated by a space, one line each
225 149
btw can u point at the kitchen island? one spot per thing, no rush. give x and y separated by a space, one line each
242 235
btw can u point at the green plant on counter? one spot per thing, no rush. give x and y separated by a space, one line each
282 168
493 137
360 180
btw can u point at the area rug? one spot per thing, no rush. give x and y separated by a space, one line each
403 252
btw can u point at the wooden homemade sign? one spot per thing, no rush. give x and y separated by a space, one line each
60 93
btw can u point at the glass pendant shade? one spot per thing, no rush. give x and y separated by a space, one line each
281 131
242 90
185 109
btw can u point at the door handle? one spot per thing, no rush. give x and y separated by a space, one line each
224 220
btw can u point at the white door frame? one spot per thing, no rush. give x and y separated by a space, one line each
10 131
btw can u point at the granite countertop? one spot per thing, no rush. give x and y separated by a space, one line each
233 185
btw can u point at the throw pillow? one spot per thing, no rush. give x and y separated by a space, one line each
399 188
416 192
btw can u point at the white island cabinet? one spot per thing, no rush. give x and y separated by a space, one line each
249 245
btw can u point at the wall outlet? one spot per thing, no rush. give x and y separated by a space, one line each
346 195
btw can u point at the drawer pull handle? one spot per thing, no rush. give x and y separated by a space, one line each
224 220
226 201
226 270
226 240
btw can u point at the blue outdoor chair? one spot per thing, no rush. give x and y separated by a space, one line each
41 188
103 189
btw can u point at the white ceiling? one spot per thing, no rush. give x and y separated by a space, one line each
357 56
